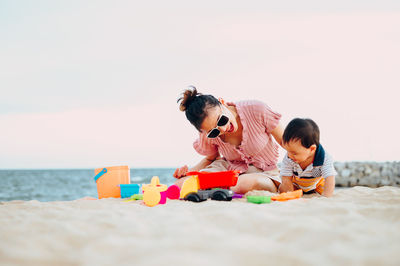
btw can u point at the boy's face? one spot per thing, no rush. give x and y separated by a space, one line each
298 152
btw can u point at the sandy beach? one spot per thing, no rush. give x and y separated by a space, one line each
357 226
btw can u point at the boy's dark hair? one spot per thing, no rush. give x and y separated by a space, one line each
195 105
305 130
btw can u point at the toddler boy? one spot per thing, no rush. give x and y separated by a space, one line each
306 165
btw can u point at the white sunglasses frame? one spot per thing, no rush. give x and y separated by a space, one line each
216 128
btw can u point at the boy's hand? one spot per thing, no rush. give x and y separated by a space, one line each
287 184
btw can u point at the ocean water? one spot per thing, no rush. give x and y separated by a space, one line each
68 184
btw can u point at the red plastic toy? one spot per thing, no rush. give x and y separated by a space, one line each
224 179
173 192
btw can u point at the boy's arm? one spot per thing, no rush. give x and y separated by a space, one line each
286 175
286 185
329 173
329 186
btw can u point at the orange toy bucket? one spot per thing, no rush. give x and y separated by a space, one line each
108 179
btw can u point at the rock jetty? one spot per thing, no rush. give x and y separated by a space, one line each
371 174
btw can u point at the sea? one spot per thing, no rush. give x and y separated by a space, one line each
65 184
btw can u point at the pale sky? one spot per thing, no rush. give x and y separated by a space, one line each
87 84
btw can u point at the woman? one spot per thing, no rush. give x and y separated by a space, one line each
241 132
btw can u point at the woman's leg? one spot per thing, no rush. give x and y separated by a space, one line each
257 179
254 181
180 181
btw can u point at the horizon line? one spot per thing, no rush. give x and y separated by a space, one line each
161 167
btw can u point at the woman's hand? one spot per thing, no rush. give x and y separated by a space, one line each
181 172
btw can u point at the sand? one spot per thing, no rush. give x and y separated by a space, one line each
357 226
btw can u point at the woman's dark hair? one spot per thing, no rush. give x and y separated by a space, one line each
305 130
195 105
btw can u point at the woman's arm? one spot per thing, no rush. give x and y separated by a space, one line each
277 133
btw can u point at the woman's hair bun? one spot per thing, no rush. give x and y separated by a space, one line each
188 96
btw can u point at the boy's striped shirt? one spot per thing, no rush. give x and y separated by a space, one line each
314 175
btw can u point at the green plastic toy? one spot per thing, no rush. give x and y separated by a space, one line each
135 197
258 199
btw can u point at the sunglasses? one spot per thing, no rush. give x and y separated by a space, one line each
222 121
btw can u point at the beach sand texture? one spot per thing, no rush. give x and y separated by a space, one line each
357 226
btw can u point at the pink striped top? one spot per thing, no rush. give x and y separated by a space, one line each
257 148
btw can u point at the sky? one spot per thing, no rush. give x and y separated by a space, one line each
87 84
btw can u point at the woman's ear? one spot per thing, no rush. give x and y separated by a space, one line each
221 101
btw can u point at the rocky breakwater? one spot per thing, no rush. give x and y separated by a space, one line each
371 174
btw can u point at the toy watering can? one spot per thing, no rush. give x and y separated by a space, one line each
154 193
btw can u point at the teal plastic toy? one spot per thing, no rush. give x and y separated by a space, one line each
127 190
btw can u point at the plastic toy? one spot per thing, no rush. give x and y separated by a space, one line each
288 195
128 190
196 187
237 196
224 179
151 198
163 197
135 197
108 179
258 199
190 185
152 193
173 192
214 194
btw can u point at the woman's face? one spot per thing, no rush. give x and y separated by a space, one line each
213 115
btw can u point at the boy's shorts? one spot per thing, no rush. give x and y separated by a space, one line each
302 183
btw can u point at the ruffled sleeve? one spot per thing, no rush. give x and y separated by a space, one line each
270 118
205 146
